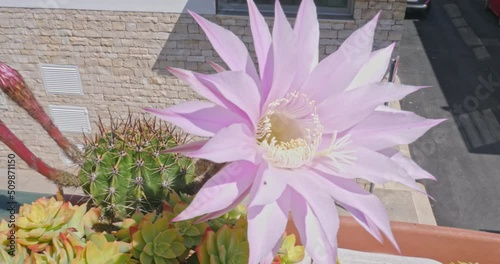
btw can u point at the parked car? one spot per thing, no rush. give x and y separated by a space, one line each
494 6
421 7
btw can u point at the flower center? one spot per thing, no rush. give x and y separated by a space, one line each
290 131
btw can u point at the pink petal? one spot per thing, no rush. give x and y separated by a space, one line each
221 191
334 74
232 143
217 67
263 236
229 47
261 36
238 88
209 92
307 31
365 207
412 168
344 111
374 69
284 55
377 168
321 204
270 257
269 184
225 210
186 148
386 128
311 234
198 118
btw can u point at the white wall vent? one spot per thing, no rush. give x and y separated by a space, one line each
61 79
70 118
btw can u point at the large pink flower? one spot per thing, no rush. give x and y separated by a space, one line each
297 135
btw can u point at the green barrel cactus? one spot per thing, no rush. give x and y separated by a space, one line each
124 170
226 246
158 243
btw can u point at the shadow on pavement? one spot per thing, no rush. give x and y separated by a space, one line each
463 46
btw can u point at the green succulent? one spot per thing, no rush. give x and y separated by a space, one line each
226 246
123 170
99 250
158 243
191 232
20 256
289 253
44 219
235 217
4 233
130 225
62 250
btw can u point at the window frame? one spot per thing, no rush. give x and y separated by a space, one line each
268 10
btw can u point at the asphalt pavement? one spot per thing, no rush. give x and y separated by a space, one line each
456 51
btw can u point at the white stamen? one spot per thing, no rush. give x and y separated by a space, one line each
337 152
290 131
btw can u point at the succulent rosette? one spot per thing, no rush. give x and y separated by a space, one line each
62 250
98 250
158 242
44 219
297 133
226 246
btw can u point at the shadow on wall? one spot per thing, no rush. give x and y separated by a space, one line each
187 46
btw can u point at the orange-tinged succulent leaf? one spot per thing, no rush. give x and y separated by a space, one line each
99 250
38 223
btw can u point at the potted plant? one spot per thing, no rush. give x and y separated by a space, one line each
287 139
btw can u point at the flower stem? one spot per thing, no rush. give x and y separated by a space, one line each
13 85
60 177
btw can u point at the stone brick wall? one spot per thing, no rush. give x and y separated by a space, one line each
122 56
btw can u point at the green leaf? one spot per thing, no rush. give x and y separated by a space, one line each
189 242
222 253
164 250
224 236
148 249
178 248
138 241
161 224
214 259
170 235
159 260
296 254
148 232
211 243
193 231
145 259
288 242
